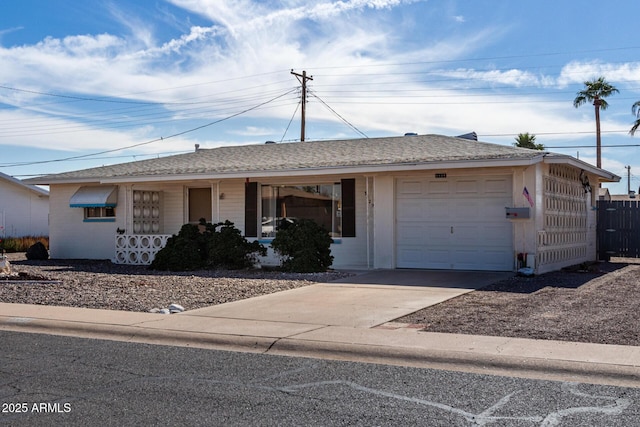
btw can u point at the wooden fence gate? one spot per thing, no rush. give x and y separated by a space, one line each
618 229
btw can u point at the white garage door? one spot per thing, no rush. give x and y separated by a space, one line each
454 223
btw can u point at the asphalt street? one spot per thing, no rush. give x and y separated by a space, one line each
54 380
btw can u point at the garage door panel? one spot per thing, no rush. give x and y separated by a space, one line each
458 223
499 235
437 258
466 235
436 235
410 210
498 259
413 234
411 257
467 187
498 186
434 188
409 187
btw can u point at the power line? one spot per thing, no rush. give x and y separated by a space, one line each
84 156
339 116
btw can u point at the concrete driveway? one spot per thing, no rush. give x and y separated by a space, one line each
361 301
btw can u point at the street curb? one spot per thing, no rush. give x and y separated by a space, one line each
454 360
526 367
139 334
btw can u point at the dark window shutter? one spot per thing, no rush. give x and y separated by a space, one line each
251 209
348 207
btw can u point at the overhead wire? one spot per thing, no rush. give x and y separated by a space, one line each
190 109
337 114
84 156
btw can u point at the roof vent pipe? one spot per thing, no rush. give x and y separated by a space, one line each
197 147
471 135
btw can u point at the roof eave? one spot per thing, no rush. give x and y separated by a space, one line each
330 170
25 185
604 175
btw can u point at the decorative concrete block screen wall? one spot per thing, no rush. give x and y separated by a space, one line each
565 233
139 249
142 246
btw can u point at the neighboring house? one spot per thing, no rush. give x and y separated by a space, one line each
632 196
24 208
603 194
423 201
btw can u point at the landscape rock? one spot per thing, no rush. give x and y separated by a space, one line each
5 266
176 308
37 251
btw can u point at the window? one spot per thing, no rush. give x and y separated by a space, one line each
98 214
318 202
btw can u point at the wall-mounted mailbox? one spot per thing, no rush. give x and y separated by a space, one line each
517 213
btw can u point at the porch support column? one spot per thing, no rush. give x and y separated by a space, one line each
384 229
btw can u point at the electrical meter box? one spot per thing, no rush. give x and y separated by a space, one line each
518 213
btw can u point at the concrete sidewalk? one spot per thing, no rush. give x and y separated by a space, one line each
345 321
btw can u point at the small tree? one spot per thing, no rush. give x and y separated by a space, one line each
304 245
527 140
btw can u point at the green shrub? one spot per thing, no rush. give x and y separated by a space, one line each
227 248
197 247
304 245
182 252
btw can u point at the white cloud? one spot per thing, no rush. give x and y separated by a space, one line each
253 131
244 58
513 77
579 72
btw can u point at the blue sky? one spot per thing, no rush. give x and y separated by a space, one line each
92 83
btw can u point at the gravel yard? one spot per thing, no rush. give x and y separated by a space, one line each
601 305
102 284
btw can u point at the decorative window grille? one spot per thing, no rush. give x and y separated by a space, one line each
146 212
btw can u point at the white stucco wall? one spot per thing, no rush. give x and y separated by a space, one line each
525 230
70 236
22 212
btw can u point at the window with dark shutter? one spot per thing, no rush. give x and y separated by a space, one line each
251 209
348 207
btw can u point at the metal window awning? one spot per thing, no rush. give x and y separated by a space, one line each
102 196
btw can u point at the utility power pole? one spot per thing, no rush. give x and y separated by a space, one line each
628 168
302 78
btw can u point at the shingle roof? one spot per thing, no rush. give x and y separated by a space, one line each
305 155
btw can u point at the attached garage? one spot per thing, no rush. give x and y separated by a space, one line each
455 223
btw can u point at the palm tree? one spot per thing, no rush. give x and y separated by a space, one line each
595 91
526 140
635 109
